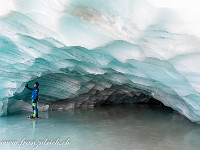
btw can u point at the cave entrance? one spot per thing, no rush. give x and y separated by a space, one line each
124 94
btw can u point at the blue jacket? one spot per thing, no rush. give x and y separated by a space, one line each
35 92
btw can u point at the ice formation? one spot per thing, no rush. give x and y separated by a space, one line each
86 52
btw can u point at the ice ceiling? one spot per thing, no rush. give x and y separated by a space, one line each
84 52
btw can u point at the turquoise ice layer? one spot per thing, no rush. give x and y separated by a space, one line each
84 53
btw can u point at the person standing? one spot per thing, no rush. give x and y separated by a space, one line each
34 98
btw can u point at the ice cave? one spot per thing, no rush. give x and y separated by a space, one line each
96 62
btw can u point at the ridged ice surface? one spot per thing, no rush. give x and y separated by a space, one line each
87 52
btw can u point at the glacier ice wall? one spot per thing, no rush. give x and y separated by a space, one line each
86 52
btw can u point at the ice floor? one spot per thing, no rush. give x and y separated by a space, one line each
135 127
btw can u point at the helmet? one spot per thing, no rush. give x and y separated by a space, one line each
37 83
